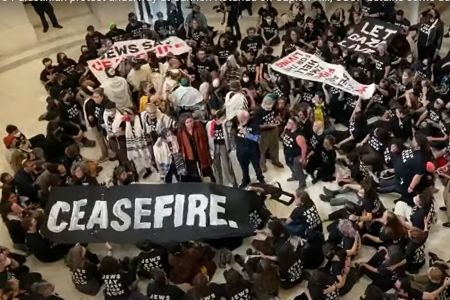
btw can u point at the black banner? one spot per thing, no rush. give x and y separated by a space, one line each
368 34
163 213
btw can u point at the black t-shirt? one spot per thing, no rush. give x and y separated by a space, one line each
155 259
417 217
407 165
291 148
214 291
265 61
219 138
289 48
358 131
83 276
161 25
135 30
328 157
71 112
197 34
240 291
67 67
250 133
203 66
116 286
266 117
47 72
308 216
376 144
251 44
292 272
270 11
381 62
250 67
269 30
307 95
116 35
316 142
432 286
92 110
415 253
373 206
223 53
168 292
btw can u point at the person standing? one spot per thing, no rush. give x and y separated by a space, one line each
219 146
117 90
193 143
93 112
269 132
247 146
295 150
45 7
233 12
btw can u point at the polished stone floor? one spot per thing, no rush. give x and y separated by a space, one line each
22 100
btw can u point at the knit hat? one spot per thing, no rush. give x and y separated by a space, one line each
111 25
184 82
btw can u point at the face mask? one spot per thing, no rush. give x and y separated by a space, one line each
359 60
405 77
246 79
18 134
269 21
216 83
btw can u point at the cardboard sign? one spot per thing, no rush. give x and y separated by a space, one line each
163 213
368 35
303 65
136 48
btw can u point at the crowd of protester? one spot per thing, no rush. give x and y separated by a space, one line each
187 116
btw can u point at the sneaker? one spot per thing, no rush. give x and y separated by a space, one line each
290 179
278 164
58 26
147 173
443 208
329 192
243 185
446 224
45 29
324 198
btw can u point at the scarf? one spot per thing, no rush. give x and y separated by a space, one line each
201 142
163 155
162 121
137 147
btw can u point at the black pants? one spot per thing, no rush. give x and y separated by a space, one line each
247 154
233 23
43 8
141 4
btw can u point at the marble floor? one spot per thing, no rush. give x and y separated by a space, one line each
22 100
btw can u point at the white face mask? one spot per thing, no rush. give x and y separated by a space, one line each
359 60
216 83
18 134
246 79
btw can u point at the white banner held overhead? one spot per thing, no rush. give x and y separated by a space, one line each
136 48
303 65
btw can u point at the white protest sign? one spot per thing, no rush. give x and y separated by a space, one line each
303 65
136 48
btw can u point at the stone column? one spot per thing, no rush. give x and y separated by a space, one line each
16 30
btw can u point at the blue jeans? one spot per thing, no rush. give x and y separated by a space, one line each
296 229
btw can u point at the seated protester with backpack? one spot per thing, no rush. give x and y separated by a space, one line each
160 288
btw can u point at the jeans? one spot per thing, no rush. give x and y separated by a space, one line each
296 229
297 169
246 154
389 186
